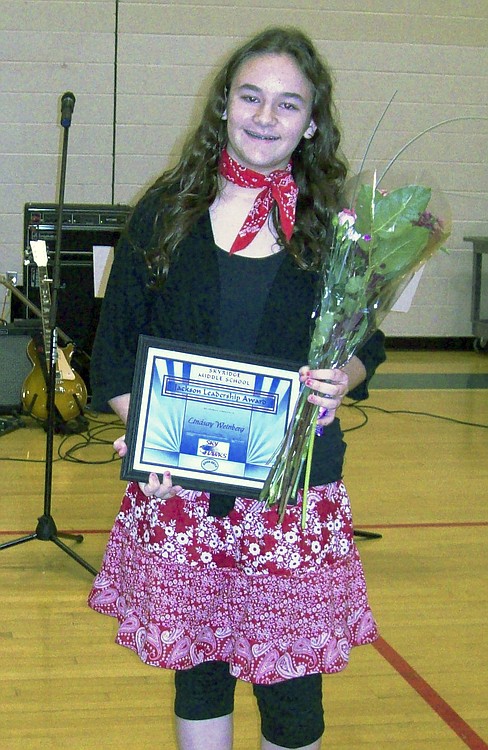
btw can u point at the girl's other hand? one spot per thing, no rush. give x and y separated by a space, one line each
328 388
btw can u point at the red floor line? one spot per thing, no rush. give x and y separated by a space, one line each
369 527
25 532
430 696
431 525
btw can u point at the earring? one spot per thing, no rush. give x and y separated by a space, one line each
224 115
310 131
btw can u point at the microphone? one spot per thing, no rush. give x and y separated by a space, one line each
67 107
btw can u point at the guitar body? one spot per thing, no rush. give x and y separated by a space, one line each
70 393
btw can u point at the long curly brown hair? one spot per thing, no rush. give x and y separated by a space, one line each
319 169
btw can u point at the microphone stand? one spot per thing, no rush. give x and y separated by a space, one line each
46 530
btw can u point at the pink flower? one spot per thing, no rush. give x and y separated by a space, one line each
346 216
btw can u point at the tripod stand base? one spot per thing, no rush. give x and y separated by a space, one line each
46 531
368 534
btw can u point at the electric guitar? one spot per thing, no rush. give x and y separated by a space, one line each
70 391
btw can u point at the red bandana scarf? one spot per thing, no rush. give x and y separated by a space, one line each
279 186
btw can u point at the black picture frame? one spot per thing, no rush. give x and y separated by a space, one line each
214 419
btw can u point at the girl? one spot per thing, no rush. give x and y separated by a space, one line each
224 250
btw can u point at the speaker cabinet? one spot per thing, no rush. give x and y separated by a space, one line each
14 365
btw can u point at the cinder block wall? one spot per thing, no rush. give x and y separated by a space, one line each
140 71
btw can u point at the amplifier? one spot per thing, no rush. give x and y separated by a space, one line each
81 223
83 227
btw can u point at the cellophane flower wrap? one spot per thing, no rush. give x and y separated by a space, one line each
378 246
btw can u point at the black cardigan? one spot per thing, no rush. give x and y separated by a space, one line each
187 309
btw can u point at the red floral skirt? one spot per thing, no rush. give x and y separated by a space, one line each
273 600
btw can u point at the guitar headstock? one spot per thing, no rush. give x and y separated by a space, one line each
39 252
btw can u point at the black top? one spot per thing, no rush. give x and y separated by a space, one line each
190 309
245 284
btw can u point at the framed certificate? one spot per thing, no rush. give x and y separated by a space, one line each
214 421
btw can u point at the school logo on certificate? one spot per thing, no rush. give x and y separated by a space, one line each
213 449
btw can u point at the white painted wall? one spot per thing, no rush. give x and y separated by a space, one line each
153 76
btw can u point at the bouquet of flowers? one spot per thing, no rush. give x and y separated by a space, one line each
377 247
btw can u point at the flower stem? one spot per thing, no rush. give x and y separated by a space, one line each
306 483
283 479
371 138
419 135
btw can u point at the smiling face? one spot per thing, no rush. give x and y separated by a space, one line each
268 112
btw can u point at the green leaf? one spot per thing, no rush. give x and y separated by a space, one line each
322 330
398 253
395 211
355 284
350 305
364 209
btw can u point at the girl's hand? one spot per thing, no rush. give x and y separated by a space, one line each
328 388
120 446
163 490
153 487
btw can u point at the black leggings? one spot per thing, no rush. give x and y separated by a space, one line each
291 711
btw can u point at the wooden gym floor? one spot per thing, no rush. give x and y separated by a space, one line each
419 481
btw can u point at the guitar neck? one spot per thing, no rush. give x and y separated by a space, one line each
45 297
